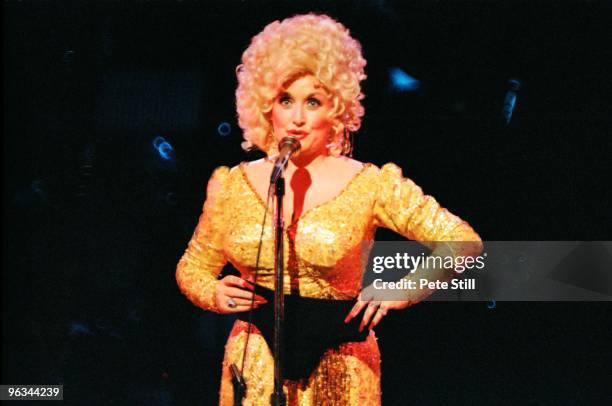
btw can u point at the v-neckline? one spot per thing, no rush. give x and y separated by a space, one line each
263 204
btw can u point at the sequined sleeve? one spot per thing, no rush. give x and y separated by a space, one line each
197 271
402 207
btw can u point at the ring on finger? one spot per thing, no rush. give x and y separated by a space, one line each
231 303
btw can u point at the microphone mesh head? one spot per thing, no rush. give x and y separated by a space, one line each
290 142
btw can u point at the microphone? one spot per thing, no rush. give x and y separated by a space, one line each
287 147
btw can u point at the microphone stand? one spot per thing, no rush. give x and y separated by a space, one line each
278 396
287 146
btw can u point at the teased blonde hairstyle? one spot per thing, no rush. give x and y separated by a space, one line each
304 44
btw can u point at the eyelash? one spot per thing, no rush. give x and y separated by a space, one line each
286 99
316 101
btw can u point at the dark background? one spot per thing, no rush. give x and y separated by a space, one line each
95 220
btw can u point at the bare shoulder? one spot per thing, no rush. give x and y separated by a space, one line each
257 171
348 165
255 167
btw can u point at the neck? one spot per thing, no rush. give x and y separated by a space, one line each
307 162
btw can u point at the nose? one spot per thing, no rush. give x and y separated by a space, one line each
299 118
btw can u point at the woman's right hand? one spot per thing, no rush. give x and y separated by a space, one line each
235 295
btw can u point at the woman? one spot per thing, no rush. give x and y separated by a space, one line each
301 78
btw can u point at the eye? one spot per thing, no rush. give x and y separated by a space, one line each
313 102
284 100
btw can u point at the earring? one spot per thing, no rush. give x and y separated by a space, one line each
272 148
347 143
330 142
335 144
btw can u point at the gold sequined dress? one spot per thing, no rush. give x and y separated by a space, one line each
322 260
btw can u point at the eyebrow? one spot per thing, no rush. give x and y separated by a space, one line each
315 93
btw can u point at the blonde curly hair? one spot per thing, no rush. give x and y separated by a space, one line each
303 44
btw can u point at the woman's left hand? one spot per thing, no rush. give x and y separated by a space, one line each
375 309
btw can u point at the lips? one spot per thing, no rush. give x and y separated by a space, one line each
299 134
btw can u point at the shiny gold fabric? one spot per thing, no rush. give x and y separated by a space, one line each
322 260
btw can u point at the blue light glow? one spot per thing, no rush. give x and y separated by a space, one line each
224 129
403 82
163 147
165 150
79 329
510 99
158 140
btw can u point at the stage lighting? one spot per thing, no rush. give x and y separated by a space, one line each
224 129
163 147
79 329
403 82
510 100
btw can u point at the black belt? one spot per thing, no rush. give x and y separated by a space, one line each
312 326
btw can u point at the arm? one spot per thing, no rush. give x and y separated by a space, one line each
200 265
402 207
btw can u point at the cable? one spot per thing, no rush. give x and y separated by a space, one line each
263 224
